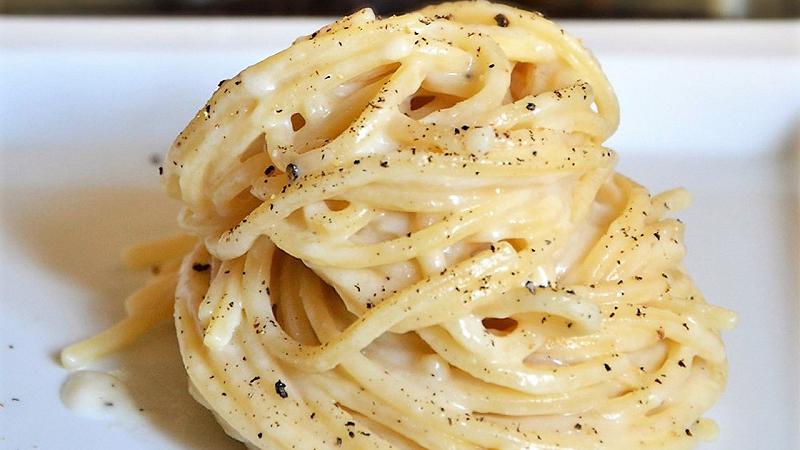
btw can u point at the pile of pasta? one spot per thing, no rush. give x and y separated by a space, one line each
406 233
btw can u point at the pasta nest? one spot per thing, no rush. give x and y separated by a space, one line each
411 236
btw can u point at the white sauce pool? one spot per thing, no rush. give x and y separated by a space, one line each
97 395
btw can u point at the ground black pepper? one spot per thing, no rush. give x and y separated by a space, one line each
501 20
292 172
200 267
280 389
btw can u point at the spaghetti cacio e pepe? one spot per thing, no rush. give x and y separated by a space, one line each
406 233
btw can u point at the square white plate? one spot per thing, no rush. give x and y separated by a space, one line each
84 103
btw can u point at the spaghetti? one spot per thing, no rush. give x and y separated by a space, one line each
406 233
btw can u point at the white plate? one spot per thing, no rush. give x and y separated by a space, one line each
710 106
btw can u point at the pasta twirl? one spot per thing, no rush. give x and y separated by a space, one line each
410 235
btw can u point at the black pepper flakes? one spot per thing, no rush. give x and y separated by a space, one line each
501 20
607 367
280 389
530 106
269 170
292 172
200 267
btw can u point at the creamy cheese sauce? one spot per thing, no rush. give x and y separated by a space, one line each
97 395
